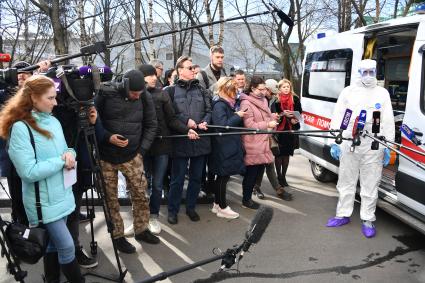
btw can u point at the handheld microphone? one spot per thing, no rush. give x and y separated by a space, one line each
5 57
86 70
257 228
376 127
358 128
410 134
344 124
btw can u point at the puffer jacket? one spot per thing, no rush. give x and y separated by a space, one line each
56 200
191 101
258 115
133 119
227 156
167 122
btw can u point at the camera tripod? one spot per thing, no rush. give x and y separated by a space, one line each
87 131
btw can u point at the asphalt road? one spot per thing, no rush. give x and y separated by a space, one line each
297 247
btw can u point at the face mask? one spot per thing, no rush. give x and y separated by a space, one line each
369 81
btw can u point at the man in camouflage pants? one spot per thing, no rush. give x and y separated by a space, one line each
129 124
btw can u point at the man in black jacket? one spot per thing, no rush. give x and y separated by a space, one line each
193 107
129 123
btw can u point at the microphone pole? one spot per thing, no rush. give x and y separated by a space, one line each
255 231
402 146
100 46
229 258
417 163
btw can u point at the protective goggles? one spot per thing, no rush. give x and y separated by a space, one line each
368 72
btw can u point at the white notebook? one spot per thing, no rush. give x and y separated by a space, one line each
70 176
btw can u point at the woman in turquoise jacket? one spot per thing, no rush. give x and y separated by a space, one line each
32 105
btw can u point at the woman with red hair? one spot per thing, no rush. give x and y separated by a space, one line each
27 116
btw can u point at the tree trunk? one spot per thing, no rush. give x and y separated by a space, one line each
27 42
84 39
221 32
137 34
209 19
395 8
152 54
106 31
60 39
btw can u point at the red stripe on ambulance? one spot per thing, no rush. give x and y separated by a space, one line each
411 154
316 121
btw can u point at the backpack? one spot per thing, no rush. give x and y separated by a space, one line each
15 190
205 79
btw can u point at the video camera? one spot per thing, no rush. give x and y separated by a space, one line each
76 87
78 80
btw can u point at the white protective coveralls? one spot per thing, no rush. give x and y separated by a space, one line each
363 160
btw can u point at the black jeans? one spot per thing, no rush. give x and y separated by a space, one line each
220 185
249 179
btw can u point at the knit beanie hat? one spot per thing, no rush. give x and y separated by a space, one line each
136 80
147 70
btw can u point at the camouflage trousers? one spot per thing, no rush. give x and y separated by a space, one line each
136 185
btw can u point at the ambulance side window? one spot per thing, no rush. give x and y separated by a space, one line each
327 73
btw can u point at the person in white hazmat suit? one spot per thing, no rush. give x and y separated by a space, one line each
361 161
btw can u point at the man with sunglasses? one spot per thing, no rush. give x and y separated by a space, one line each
192 105
361 161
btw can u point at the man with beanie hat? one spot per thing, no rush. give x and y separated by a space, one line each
130 124
156 159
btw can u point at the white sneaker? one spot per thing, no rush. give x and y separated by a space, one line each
215 208
202 194
129 232
227 213
154 225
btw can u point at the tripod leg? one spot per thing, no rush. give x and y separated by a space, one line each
13 265
91 214
99 184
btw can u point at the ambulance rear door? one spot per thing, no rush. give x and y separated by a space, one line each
410 179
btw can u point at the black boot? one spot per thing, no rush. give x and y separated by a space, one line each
51 268
72 272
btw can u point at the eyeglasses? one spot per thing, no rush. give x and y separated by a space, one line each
159 68
261 89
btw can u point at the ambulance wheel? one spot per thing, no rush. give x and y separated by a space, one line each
322 174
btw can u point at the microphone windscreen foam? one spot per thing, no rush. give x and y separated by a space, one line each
259 224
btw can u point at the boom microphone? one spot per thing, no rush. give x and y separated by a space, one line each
284 17
257 228
4 57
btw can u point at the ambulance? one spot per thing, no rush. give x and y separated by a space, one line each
331 63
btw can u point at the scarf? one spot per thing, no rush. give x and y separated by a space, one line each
229 100
286 103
